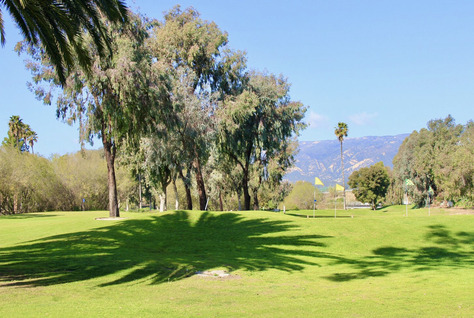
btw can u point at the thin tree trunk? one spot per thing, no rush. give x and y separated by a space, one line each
162 196
200 182
111 182
238 199
15 203
245 188
255 200
187 189
139 191
201 189
109 151
221 204
176 197
343 179
255 195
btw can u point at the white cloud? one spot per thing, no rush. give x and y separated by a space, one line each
362 119
316 120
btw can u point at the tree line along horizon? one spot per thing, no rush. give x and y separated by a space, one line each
170 100
78 181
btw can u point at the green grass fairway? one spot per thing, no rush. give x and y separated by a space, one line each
360 264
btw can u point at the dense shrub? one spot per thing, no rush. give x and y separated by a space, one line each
30 183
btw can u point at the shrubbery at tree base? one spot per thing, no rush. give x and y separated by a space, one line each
30 183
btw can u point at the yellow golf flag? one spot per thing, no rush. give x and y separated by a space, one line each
339 187
317 181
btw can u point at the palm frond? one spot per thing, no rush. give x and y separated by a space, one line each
58 26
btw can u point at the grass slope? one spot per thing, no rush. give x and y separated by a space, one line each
362 263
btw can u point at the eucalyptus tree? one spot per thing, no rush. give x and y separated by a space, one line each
257 125
341 131
196 52
159 154
58 26
192 127
118 101
461 181
437 160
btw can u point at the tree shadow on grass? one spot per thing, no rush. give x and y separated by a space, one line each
454 250
307 216
159 249
25 216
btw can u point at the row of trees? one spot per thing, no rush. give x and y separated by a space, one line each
438 159
174 101
73 182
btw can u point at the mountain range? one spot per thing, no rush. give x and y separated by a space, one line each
322 159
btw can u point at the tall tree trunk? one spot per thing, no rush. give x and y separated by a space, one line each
343 179
221 204
245 188
162 196
255 200
15 203
109 151
256 205
187 188
176 196
199 182
139 191
238 199
200 187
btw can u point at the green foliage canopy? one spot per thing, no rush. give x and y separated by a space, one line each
258 125
370 184
122 97
438 157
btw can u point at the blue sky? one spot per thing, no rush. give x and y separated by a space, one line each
383 67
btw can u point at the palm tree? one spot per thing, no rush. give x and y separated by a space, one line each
58 25
15 129
341 131
30 137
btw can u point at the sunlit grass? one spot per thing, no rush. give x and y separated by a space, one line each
362 263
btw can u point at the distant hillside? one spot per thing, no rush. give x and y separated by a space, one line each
323 158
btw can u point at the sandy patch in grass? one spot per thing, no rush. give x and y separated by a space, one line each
221 274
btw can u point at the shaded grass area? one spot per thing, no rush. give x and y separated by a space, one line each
446 249
375 264
172 246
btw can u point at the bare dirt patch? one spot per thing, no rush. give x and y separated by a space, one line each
109 219
459 211
216 274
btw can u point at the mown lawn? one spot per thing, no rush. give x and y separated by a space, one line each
360 264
